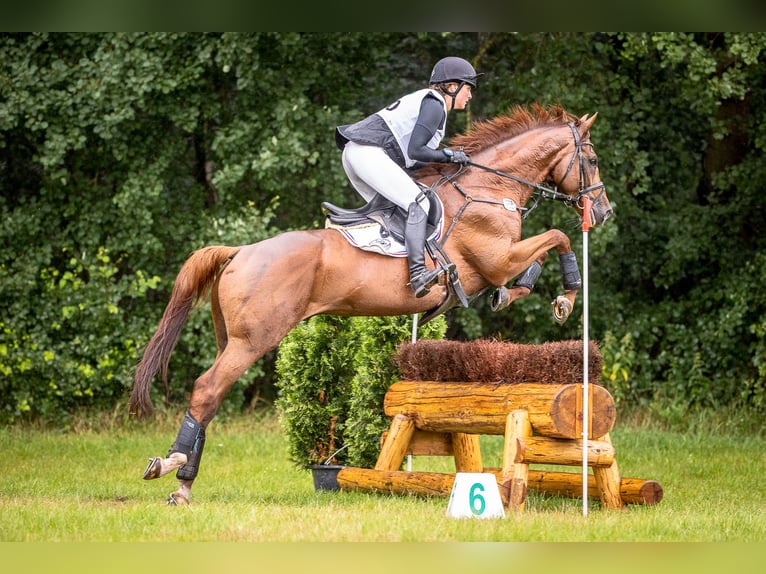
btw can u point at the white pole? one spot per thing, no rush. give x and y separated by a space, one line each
586 339
414 339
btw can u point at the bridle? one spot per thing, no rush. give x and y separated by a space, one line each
541 191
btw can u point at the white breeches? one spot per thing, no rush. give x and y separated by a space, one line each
371 171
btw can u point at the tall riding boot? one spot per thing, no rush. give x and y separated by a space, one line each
421 279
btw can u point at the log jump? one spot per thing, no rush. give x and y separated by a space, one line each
454 392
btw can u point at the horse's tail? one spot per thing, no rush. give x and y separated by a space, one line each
194 281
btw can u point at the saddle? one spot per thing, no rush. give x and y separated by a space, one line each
390 217
378 226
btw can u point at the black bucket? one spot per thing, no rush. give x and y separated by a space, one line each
325 476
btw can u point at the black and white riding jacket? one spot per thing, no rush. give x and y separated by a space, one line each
409 130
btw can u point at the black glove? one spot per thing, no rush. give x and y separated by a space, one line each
457 156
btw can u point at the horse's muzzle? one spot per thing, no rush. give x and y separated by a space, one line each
599 215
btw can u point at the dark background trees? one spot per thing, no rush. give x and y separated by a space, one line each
122 153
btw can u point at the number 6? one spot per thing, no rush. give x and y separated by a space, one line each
476 501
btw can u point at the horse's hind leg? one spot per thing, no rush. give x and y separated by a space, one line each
185 454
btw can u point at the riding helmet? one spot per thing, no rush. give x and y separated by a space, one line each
453 69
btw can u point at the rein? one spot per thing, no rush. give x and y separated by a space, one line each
540 191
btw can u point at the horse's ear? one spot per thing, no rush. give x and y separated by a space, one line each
586 122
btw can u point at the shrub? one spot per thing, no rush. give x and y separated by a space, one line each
332 374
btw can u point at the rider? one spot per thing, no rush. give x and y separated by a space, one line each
379 148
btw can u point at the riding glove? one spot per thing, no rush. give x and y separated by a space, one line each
456 156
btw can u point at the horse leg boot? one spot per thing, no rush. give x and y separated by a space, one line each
421 279
570 276
185 455
502 297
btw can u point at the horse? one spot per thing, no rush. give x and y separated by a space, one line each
259 292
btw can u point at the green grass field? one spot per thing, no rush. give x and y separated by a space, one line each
86 486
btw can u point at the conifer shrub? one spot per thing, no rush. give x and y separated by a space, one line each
332 374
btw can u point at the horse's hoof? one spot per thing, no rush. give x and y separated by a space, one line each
177 499
500 299
154 468
562 308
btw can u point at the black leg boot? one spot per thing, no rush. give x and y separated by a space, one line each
421 279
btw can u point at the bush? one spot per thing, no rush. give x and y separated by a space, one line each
332 374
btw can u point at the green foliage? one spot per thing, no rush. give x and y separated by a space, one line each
120 153
376 340
314 370
332 375
73 352
618 359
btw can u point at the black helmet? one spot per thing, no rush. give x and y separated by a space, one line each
453 69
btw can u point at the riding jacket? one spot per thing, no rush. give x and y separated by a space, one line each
409 130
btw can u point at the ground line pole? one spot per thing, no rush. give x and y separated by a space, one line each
586 223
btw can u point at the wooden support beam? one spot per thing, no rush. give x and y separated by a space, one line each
467 452
427 443
396 481
569 484
544 450
442 407
513 483
398 439
608 481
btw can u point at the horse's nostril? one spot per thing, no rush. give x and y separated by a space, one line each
599 217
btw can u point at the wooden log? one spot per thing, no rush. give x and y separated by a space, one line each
513 482
396 481
545 450
557 483
426 443
482 408
608 481
569 484
467 452
638 491
393 450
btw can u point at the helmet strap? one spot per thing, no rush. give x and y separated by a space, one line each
454 93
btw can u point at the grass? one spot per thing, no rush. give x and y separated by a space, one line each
86 486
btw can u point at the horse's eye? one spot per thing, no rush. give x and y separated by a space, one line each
593 161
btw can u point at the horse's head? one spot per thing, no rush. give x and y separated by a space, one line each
576 172
534 144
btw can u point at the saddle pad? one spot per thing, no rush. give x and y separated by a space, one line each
372 236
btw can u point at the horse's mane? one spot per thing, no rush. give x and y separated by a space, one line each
519 119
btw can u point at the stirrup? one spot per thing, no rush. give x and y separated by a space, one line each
422 283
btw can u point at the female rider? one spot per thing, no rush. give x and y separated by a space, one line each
379 148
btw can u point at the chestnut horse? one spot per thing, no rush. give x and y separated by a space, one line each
259 292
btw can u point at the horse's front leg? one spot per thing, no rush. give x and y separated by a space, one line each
525 261
522 286
570 276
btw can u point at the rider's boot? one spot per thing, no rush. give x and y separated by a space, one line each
421 279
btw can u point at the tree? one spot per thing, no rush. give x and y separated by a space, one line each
120 153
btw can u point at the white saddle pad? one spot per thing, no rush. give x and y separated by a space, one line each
368 237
